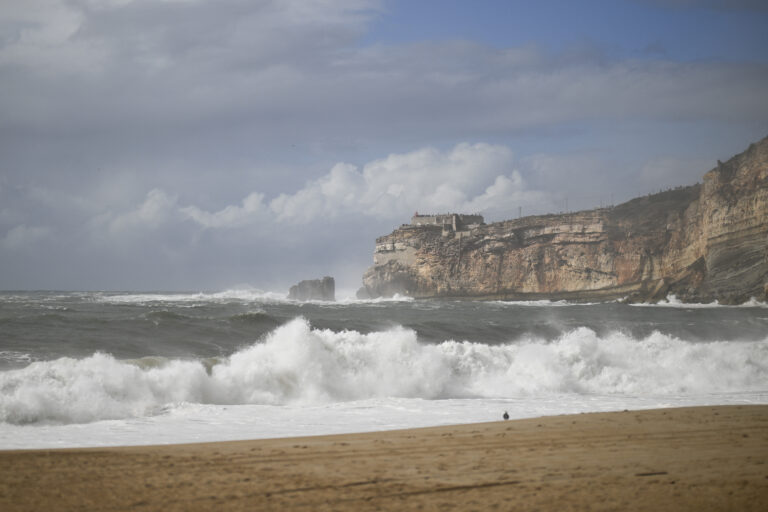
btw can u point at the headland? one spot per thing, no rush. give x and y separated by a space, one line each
701 243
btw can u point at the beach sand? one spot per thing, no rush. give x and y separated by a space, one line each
698 458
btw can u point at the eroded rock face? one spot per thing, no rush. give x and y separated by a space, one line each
314 289
704 242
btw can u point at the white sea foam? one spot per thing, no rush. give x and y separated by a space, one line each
671 301
240 295
348 299
297 365
194 423
542 302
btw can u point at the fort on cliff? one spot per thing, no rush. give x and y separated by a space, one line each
447 221
704 242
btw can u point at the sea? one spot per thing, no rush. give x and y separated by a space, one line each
82 369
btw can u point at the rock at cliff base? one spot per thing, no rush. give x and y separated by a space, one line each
314 289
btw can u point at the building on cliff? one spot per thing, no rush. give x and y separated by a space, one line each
448 221
701 243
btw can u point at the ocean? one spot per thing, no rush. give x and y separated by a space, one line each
107 369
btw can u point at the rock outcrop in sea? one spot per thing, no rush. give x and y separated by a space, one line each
701 243
314 289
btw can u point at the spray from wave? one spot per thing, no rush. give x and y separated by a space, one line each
671 301
245 295
296 364
234 295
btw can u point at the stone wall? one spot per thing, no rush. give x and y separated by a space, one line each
450 221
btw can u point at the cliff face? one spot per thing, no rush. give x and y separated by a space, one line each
704 242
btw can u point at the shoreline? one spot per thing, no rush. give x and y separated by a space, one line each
691 458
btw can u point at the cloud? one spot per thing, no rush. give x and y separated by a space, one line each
218 132
93 62
468 177
22 236
327 197
507 196
160 33
474 177
158 209
251 210
287 70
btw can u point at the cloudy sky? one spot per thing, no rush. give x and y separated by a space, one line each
212 144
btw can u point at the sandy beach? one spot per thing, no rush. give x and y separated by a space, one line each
701 458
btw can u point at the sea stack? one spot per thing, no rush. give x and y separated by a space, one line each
314 289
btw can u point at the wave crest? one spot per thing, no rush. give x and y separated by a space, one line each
301 365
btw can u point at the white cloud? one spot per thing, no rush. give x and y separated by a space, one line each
502 199
336 192
157 209
474 177
469 177
251 210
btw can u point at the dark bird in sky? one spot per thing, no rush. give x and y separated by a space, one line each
506 416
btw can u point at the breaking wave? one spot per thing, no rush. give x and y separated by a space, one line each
296 364
542 303
671 301
378 300
235 295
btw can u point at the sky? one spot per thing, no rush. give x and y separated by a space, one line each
204 145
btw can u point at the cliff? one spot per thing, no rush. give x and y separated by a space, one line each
701 243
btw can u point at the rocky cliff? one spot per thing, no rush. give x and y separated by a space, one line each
701 243
314 289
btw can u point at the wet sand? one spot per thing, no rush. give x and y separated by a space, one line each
702 458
